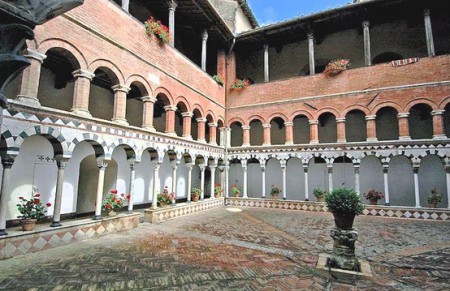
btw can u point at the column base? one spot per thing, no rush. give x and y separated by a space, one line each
3 232
372 139
28 100
289 143
120 121
149 128
201 140
81 112
404 138
130 211
171 133
97 217
342 140
439 136
387 204
284 198
245 145
306 199
266 144
56 224
213 143
314 142
188 137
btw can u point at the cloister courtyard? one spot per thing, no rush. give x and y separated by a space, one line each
232 248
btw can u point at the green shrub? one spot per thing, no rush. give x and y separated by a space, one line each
344 200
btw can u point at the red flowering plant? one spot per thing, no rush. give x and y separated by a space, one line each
335 67
373 195
217 190
240 84
155 27
275 190
166 197
114 201
32 208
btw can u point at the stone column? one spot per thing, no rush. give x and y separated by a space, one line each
187 120
101 164
367 54
429 33
313 131
170 119
202 181
357 186
305 169
228 137
125 5
30 78
371 126
148 103
201 123
244 186
312 65
340 124
245 135
386 185
61 163
172 7
189 182
212 133
120 104
438 124
174 180
156 166
289 133
204 48
447 171
213 179
266 132
283 172
416 186
131 187
403 126
81 92
266 63
7 163
222 136
263 172
330 178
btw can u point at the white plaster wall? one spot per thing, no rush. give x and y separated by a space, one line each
28 171
196 179
236 176
273 176
242 23
143 183
295 180
255 180
343 175
401 182
165 174
371 176
123 171
432 175
182 179
317 177
55 98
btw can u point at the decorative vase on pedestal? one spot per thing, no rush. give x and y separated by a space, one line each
344 236
28 224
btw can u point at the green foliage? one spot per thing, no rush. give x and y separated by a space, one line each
317 192
435 197
32 208
196 192
345 201
218 79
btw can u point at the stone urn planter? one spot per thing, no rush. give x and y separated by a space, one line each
275 196
195 198
162 204
111 213
373 202
28 224
319 194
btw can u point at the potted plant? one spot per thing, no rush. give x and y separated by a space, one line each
345 204
195 193
319 194
217 190
275 191
156 28
218 79
235 190
434 198
240 84
165 198
113 202
336 67
373 196
31 211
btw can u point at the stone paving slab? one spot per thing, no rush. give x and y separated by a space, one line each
256 249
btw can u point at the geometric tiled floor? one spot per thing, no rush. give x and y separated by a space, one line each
256 249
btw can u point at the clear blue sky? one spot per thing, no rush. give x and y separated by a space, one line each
270 11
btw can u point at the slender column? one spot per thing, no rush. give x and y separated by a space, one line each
371 126
283 172
245 135
312 66
81 91
357 186
174 180
120 104
148 103
313 131
125 5
213 179
340 124
263 172
61 163
7 163
101 164
187 117
305 169
438 124
289 133
204 48
222 136
403 126
131 187
172 7
416 186
202 180
189 183
228 137
266 133
447 170
367 54
156 167
227 169
386 185
201 123
212 133
429 33
244 187
170 119
30 78
330 178
266 63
